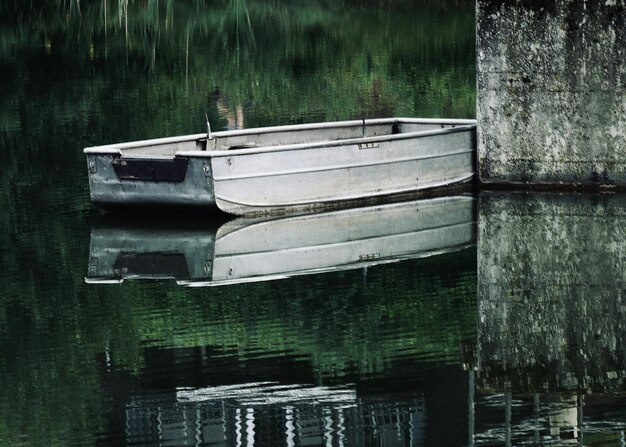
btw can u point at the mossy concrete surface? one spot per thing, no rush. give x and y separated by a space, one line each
551 81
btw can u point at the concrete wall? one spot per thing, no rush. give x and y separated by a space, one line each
551 292
551 81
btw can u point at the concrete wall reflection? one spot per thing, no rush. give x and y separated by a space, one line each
551 282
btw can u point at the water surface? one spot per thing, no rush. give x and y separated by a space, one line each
515 337
354 357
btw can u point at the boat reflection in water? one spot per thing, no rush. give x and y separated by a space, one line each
552 322
247 249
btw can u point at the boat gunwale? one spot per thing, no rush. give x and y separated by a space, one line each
116 148
326 144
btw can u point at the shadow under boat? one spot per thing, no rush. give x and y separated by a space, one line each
261 249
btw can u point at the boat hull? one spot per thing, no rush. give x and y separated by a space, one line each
317 178
278 170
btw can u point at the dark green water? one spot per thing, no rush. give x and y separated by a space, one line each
429 351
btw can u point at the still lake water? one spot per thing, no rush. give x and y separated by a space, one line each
505 326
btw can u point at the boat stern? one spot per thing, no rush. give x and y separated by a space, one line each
116 180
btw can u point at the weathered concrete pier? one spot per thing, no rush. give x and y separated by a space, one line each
551 81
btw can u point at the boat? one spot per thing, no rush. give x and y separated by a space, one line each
278 170
253 249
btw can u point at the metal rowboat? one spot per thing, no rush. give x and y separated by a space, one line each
274 170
